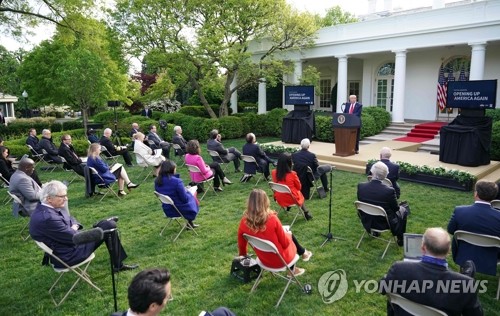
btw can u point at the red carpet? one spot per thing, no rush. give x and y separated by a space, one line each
422 132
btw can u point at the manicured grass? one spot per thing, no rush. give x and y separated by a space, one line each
200 264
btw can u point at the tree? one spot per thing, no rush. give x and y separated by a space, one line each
82 69
9 83
204 40
335 16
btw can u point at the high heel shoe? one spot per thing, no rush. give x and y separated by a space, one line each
131 185
122 193
226 181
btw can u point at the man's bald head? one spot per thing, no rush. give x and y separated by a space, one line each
26 165
436 242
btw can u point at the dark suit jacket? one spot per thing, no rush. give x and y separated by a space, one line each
133 131
6 169
2 119
476 218
106 142
376 193
53 228
68 153
393 175
149 114
214 145
461 303
50 148
301 160
251 149
179 140
358 108
155 138
33 142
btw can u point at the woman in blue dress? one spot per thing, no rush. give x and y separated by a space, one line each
169 183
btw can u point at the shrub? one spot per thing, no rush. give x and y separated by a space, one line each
381 116
272 121
249 123
69 125
369 126
108 117
199 110
20 127
324 129
231 127
494 114
495 141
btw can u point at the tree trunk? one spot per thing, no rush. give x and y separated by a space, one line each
85 115
223 111
203 100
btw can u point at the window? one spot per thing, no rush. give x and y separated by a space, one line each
354 88
325 87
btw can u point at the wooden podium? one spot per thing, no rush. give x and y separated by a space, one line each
345 129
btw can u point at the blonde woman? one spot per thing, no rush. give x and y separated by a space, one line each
145 155
260 221
95 161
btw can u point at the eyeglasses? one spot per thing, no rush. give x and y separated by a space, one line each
62 196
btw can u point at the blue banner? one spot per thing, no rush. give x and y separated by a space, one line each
477 94
299 95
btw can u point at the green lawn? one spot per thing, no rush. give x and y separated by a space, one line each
200 265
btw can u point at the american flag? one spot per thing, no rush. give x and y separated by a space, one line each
441 90
451 77
462 76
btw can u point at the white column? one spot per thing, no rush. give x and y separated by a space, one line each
297 72
341 82
262 103
234 95
398 104
477 61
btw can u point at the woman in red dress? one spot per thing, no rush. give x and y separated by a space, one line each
283 174
260 221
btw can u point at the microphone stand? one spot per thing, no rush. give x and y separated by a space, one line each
329 235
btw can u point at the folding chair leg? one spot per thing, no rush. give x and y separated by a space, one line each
168 223
297 214
362 236
24 238
498 289
257 281
7 199
82 274
386 247
260 178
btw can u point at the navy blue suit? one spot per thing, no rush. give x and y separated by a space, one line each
53 227
303 159
358 109
477 218
183 200
377 193
393 175
458 303
254 150
33 142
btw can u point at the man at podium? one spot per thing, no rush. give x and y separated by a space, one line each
353 107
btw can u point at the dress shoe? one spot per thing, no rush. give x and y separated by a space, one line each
468 268
131 185
375 234
122 193
226 181
357 152
218 189
401 242
308 216
192 226
126 267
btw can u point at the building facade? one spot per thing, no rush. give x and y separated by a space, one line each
394 61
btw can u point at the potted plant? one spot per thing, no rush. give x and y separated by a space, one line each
273 151
437 176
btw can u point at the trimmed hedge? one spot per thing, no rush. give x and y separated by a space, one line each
381 117
495 141
324 128
20 127
199 110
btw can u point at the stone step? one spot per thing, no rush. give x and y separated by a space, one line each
492 176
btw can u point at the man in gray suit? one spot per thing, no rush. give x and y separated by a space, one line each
23 186
227 155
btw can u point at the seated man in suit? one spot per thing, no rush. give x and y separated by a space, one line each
91 136
479 218
48 224
147 112
425 282
23 186
251 148
377 193
156 142
231 154
32 140
303 159
115 150
385 156
51 149
67 151
135 129
179 140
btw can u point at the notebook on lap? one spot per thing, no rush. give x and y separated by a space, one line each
412 247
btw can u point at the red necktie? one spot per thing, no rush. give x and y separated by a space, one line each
351 109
